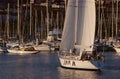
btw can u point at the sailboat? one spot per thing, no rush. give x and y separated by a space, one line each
77 45
21 48
45 46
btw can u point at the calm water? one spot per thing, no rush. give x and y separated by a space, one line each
47 66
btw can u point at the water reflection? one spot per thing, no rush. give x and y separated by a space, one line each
77 74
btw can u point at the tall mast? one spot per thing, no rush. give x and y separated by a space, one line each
101 28
47 12
1 30
18 24
104 22
41 28
76 21
57 23
13 22
99 19
36 27
116 17
8 8
51 21
35 22
31 2
112 17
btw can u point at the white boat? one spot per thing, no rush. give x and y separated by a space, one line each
54 39
22 50
43 47
78 64
116 46
117 49
12 44
1 50
54 35
54 45
76 49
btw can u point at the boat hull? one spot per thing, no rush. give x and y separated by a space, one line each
81 64
117 49
21 52
43 48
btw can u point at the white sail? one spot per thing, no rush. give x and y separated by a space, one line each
86 23
68 32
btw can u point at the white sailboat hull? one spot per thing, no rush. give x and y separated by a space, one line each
21 52
81 64
43 48
117 49
1 50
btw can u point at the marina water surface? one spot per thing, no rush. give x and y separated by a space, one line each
47 66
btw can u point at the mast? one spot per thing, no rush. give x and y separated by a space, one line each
36 27
76 21
18 21
57 23
30 16
105 25
101 28
8 8
41 28
99 19
31 2
117 18
1 29
35 22
13 22
112 17
51 20
26 19
47 12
